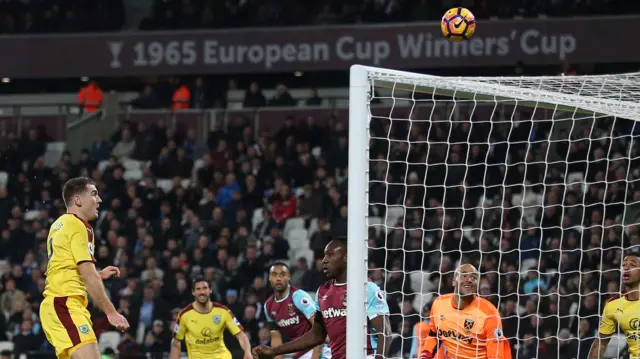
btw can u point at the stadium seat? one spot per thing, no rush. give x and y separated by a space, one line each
102 166
316 152
130 164
376 222
527 264
31 215
132 174
257 217
166 185
313 227
302 253
421 283
53 153
109 340
56 146
6 346
298 238
4 179
393 215
292 223
420 300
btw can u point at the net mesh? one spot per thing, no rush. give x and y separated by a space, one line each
532 180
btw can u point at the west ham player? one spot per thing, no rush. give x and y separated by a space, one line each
332 321
290 311
464 325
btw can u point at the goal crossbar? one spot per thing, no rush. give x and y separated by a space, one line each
583 93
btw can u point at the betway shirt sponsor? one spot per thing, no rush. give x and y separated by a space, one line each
291 314
332 304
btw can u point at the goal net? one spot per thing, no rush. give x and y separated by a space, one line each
530 179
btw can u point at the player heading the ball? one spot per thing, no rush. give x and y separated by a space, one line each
201 325
332 307
290 312
622 311
464 325
71 273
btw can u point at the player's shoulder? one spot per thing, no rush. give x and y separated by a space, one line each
444 299
69 222
185 311
486 305
220 307
614 302
326 286
299 296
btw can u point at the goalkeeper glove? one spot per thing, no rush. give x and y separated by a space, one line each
426 355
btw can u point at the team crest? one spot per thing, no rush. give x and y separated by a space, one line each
468 324
344 301
292 311
84 329
217 319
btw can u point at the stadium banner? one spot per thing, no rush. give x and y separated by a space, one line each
402 46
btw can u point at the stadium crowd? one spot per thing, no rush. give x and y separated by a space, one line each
31 16
160 240
549 265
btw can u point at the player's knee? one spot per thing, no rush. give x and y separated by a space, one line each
86 351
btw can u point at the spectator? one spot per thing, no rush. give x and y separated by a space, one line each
201 97
100 150
314 99
181 98
90 97
157 340
282 98
147 99
12 298
26 340
125 147
254 96
284 205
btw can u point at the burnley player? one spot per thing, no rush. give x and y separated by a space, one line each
290 311
463 325
332 319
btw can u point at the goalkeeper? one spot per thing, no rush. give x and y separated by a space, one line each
463 325
622 311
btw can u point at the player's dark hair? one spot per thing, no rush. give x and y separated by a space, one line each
73 187
283 264
197 279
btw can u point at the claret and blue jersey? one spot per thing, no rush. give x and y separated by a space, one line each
332 304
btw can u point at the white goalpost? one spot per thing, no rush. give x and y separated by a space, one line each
534 180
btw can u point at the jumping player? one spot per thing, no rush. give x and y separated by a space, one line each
622 312
464 325
202 324
332 321
71 273
290 312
